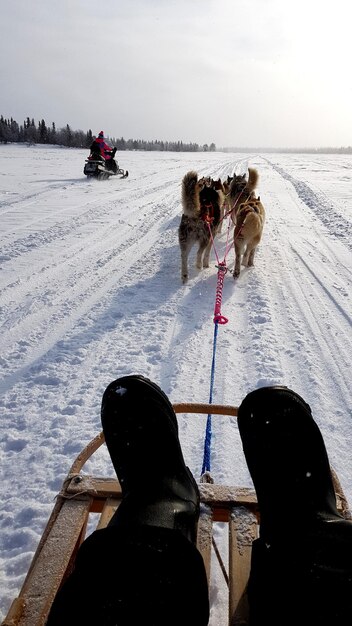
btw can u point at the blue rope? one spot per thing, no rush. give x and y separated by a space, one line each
207 440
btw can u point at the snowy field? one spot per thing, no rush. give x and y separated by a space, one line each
91 290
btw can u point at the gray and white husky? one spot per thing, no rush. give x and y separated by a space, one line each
201 215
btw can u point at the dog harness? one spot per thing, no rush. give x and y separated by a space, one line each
208 215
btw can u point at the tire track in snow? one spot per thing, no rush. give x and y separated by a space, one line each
321 207
71 305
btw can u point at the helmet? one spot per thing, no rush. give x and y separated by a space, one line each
101 134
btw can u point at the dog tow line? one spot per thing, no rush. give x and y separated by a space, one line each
217 319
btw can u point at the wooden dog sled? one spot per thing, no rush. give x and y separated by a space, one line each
82 495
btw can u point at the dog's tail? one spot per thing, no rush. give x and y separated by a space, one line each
190 194
253 178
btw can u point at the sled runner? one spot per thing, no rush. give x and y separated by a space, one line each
83 495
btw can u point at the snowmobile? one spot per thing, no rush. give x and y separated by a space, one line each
82 496
97 167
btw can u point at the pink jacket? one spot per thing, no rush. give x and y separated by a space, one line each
103 146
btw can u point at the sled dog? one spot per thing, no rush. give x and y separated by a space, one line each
240 188
219 187
250 218
201 214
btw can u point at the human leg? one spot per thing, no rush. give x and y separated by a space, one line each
301 571
144 568
151 576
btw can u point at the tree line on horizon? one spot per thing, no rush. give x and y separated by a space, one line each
30 132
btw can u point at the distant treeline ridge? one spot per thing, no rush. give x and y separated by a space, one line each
326 150
29 132
11 131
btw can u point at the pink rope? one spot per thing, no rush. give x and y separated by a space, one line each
234 206
212 241
227 246
222 269
218 318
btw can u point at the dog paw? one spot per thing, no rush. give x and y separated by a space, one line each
184 279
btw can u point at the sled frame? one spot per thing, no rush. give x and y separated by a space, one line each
83 494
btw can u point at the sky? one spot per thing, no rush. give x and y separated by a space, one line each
91 290
246 74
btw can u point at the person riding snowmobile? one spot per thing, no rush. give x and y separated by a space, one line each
99 148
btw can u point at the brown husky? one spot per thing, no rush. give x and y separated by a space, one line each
239 189
248 232
201 214
219 187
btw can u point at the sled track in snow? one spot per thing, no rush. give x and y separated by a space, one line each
323 209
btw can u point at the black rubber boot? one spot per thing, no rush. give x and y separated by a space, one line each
287 459
144 567
141 434
301 570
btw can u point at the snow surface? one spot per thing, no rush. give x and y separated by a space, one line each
91 290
